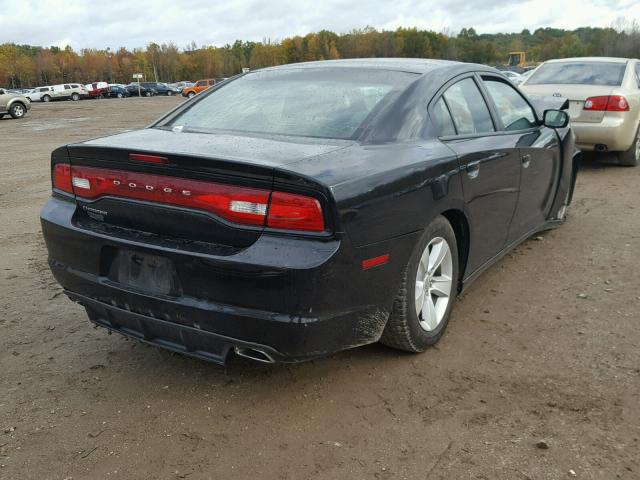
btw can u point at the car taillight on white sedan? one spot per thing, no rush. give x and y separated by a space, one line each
608 103
240 205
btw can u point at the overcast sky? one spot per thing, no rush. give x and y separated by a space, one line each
134 23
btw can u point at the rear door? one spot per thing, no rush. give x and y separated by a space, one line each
57 91
489 162
538 150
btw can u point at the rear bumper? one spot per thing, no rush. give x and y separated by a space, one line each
616 131
185 339
293 299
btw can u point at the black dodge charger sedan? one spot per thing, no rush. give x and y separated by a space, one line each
300 210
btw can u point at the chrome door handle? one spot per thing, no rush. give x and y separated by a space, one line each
473 169
526 160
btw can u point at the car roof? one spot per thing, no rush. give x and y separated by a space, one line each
590 59
412 65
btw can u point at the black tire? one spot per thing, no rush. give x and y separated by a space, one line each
403 330
191 94
75 97
17 110
631 157
46 98
1 116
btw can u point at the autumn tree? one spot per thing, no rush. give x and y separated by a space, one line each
25 65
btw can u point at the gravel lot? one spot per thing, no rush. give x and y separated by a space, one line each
543 351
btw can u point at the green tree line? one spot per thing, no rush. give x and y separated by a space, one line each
26 65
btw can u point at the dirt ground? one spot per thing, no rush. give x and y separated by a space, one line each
544 347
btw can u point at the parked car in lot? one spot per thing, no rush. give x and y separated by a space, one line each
304 209
66 91
20 91
525 75
98 89
135 90
181 85
161 88
198 87
13 104
35 95
116 91
513 76
604 99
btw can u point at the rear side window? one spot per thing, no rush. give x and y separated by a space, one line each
514 111
579 73
469 111
441 118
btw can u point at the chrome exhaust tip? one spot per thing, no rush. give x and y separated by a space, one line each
254 354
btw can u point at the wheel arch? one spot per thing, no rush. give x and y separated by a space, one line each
460 225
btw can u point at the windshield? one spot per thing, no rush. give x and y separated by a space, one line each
322 102
578 73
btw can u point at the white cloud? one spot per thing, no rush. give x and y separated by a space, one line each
85 24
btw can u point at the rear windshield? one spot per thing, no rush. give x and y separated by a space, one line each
579 73
324 102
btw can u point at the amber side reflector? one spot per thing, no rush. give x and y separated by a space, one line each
375 261
140 157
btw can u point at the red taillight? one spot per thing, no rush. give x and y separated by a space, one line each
61 178
609 103
295 212
242 205
617 103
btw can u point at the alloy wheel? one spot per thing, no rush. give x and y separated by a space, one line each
18 111
433 284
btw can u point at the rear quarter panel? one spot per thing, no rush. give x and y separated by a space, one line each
385 191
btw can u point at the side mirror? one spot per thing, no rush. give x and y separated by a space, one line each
556 118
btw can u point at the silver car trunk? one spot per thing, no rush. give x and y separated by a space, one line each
576 94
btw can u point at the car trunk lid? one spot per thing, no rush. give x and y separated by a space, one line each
154 182
577 95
